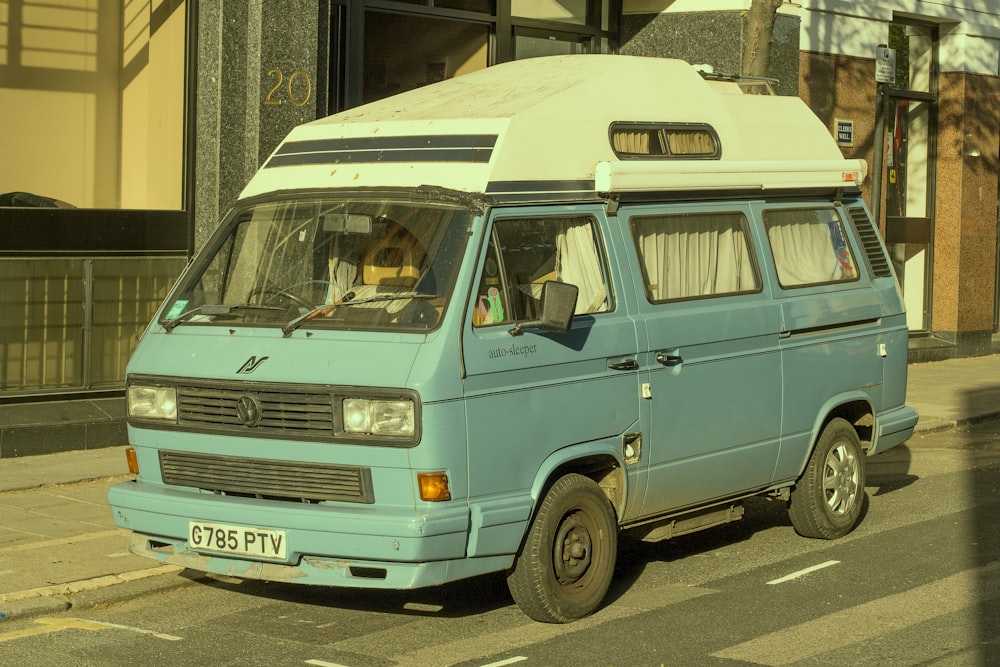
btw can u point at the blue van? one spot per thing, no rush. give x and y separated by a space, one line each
500 322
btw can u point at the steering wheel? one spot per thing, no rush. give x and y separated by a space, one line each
271 294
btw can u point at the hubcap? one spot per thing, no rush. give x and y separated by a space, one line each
841 480
572 550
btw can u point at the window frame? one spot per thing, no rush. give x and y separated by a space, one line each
745 227
491 244
844 227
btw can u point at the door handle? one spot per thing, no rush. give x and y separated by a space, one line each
669 359
623 365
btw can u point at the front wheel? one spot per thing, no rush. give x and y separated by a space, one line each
565 565
828 499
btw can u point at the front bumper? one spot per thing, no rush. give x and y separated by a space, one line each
328 545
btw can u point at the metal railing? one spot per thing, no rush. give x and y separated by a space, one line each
77 288
69 324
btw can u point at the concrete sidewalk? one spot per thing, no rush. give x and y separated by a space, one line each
59 546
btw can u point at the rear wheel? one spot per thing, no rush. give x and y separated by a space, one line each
565 566
828 499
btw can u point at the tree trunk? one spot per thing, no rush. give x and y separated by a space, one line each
759 35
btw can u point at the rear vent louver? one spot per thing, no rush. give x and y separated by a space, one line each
865 230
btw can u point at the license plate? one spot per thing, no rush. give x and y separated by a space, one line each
237 540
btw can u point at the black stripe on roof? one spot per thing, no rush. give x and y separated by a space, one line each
383 143
363 150
499 187
367 157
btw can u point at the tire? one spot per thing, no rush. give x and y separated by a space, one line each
565 565
828 499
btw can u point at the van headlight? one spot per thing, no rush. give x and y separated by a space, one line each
152 402
379 416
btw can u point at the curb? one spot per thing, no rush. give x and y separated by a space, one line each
55 599
939 424
35 485
936 425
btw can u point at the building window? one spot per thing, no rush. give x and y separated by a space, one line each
92 185
562 11
405 51
374 49
534 42
95 91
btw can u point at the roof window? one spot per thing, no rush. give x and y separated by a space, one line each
664 141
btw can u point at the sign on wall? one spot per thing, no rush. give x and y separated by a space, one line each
845 132
885 64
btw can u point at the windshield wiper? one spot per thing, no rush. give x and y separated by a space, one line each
397 296
348 300
214 309
325 309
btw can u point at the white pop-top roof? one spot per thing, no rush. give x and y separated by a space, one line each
541 126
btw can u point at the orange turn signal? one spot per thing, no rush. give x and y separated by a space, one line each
133 461
433 486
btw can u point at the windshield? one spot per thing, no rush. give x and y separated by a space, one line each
329 263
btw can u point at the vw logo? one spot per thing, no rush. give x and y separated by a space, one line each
248 410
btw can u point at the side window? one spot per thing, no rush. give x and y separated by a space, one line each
524 253
691 255
809 246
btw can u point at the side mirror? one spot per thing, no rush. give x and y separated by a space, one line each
557 308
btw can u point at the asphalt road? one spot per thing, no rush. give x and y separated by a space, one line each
917 583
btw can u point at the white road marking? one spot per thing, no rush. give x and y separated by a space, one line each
867 621
478 647
471 648
420 606
802 573
508 661
321 663
130 628
50 625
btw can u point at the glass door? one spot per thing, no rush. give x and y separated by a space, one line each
910 165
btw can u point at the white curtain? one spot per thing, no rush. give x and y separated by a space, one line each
344 260
804 252
690 143
694 255
578 263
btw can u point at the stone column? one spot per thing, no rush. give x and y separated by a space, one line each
965 230
256 79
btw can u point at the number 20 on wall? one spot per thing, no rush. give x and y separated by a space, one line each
296 87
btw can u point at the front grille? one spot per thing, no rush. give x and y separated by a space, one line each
276 410
282 414
264 478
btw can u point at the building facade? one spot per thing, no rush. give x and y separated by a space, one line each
131 125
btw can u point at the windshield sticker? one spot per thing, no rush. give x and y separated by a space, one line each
496 307
176 309
481 315
512 351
